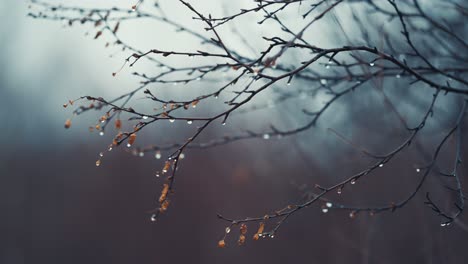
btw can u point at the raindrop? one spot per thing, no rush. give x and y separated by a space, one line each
101 154
272 236
189 122
98 163
398 76
157 155
324 210
323 82
418 170
153 218
129 145
198 79
224 123
157 174
381 165
371 64
329 205
141 154
443 224
144 117
228 230
288 84
101 133
266 136
110 149
327 66
338 191
172 120
182 156
353 181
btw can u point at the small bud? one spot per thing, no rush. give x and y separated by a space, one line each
221 243
68 124
131 139
167 165
98 34
261 227
241 240
118 124
270 62
243 229
164 206
164 193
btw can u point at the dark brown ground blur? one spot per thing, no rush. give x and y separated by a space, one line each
59 208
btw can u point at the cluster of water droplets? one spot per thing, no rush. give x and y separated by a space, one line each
327 206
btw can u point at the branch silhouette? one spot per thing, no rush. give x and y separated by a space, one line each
425 50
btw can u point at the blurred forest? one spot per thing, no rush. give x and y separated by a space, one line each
59 207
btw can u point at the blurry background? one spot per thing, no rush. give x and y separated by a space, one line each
58 207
